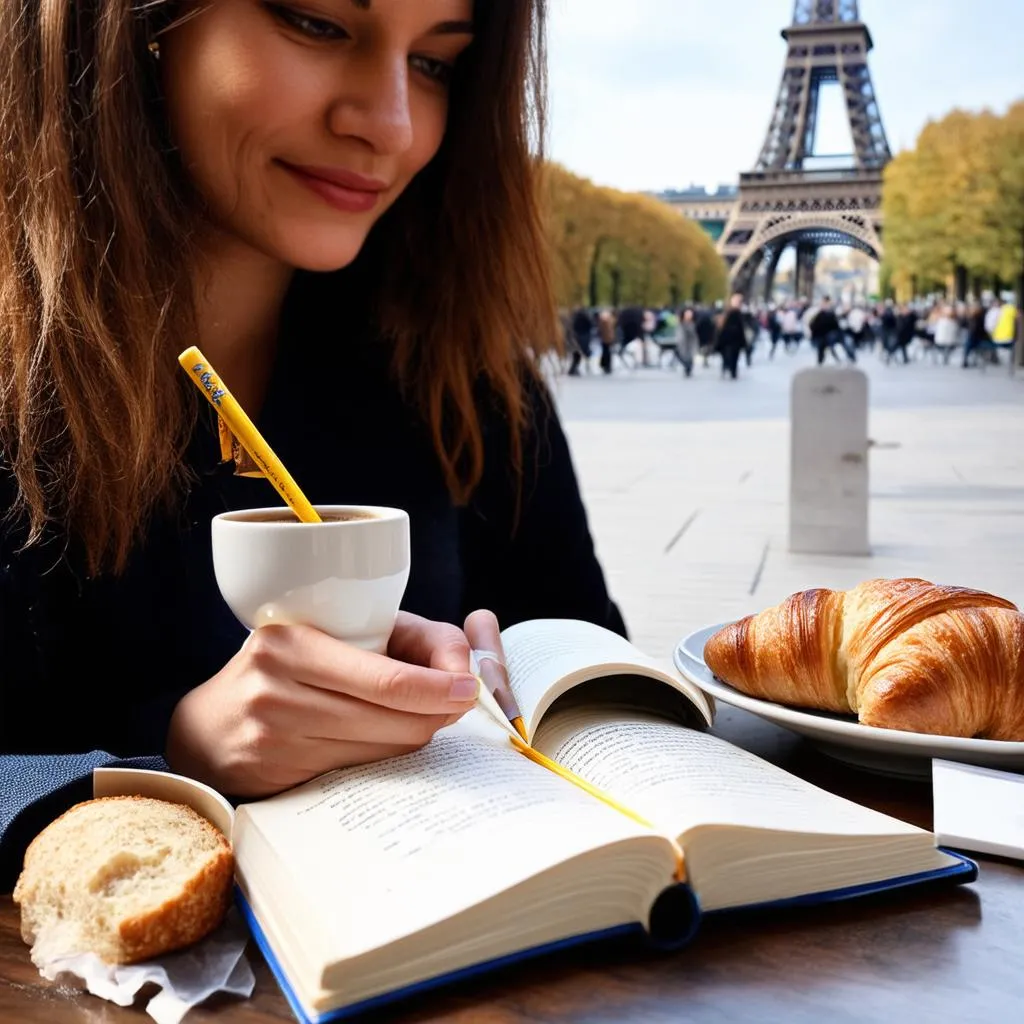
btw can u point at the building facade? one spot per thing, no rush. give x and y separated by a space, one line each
711 210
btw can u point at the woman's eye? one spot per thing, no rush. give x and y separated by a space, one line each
312 28
439 70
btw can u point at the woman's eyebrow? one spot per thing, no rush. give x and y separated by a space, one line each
448 28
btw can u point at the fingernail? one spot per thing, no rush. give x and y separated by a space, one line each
464 688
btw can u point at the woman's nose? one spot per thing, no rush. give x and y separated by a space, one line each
373 103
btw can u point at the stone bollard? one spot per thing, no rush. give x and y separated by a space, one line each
828 496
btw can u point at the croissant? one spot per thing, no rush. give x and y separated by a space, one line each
899 653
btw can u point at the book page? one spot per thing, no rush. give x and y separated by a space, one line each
680 778
548 657
428 834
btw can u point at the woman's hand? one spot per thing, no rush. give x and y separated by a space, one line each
294 703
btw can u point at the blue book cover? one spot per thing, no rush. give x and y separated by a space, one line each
675 920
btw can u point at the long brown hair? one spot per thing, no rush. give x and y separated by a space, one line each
96 223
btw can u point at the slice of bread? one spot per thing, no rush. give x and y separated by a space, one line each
125 877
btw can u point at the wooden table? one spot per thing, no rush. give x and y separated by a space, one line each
952 954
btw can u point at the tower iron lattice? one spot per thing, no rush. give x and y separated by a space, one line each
786 200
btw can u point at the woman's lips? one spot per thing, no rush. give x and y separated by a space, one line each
344 190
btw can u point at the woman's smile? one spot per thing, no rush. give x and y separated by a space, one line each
344 190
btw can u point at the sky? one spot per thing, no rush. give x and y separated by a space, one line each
657 94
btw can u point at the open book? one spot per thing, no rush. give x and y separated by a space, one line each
371 882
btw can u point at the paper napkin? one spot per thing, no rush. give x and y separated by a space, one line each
978 809
185 978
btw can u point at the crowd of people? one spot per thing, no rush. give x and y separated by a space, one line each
978 331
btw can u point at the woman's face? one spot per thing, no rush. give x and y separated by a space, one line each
301 121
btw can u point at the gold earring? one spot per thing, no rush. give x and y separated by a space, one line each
154 49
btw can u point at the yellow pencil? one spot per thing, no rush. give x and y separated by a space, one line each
209 383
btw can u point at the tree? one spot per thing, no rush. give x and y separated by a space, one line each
611 247
954 205
1008 186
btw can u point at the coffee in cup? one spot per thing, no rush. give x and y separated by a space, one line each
345 575
286 515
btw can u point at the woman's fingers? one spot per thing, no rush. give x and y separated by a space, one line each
311 657
294 703
483 632
420 641
312 713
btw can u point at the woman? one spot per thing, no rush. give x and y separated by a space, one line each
334 200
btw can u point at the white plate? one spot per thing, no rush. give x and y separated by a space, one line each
888 751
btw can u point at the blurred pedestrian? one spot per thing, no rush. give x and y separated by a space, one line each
705 324
889 322
631 327
947 332
732 337
826 333
856 324
688 343
792 332
773 325
606 333
1006 326
978 340
582 329
906 332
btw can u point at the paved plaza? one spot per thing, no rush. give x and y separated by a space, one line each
687 483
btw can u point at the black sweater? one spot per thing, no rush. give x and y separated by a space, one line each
92 668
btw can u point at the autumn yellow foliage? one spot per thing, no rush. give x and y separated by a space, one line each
956 203
619 248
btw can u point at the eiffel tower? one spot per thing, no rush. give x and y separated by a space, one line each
786 201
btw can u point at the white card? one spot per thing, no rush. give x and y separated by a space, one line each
978 809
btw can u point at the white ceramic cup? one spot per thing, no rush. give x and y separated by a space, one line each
345 577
